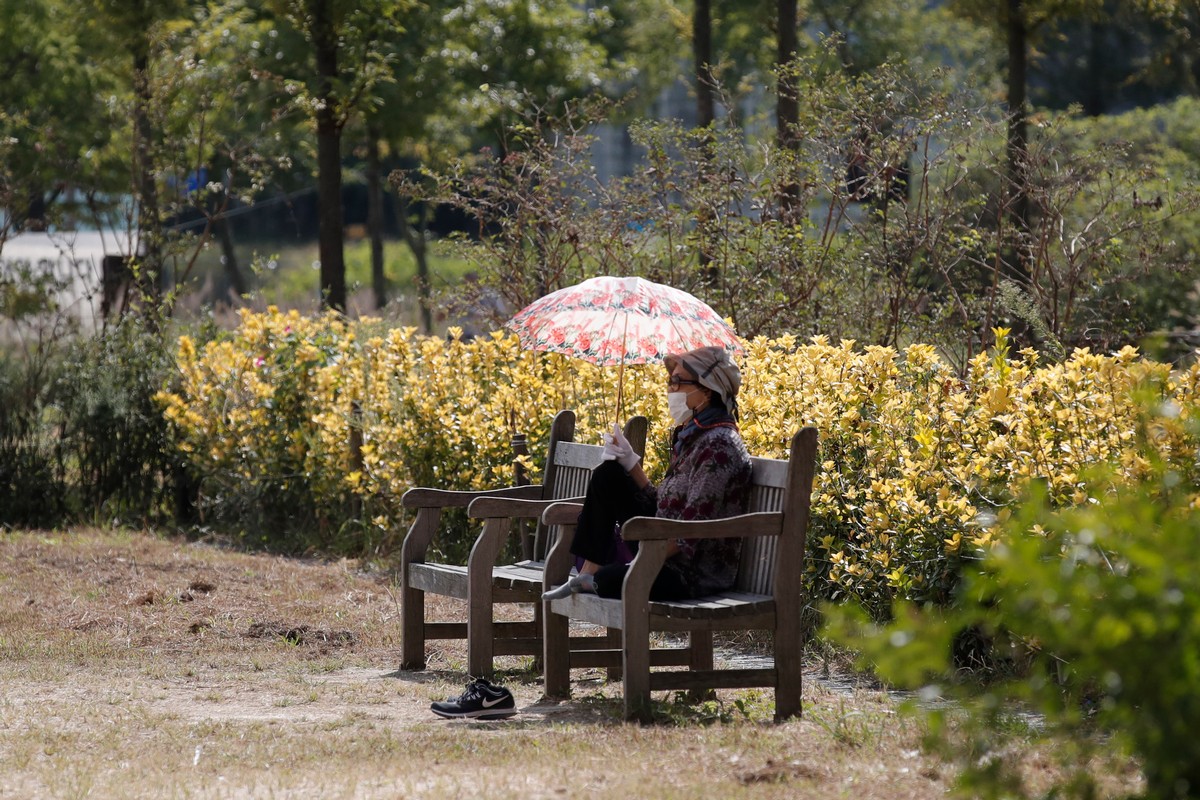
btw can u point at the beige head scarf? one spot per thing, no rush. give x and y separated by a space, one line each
714 369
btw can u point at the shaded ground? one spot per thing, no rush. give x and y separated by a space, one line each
136 666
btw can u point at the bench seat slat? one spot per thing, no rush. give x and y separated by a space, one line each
524 569
451 579
720 607
733 606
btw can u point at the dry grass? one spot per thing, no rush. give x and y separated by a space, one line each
137 666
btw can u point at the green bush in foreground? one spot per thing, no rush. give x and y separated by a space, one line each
1102 607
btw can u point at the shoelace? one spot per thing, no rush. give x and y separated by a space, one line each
479 688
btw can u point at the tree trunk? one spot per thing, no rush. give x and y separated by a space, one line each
416 241
1017 143
149 255
375 215
702 49
329 161
219 208
705 116
787 107
233 272
34 218
1094 99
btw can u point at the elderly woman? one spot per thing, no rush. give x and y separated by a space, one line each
708 478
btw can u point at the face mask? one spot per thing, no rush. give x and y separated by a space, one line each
677 405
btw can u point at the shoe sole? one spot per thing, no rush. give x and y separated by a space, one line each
483 713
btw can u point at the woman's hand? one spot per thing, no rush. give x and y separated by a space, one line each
617 448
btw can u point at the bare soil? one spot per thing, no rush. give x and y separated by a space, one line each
134 665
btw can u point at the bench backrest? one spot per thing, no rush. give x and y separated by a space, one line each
778 485
569 464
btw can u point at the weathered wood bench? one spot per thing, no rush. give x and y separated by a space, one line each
767 595
481 581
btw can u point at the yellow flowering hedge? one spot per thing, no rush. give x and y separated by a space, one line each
916 463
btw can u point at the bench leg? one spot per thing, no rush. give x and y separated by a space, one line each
412 629
614 642
701 651
700 658
412 601
480 630
540 624
636 658
480 596
788 673
556 647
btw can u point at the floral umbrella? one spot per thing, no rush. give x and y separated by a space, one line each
617 321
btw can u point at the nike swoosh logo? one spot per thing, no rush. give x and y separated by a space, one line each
489 703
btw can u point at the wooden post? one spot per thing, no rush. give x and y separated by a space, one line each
520 447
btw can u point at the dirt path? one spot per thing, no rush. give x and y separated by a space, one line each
136 666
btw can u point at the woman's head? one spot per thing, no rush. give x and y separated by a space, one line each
708 376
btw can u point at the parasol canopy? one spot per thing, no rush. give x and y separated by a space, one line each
616 321
612 321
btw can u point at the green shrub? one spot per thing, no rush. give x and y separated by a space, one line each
32 492
113 442
80 435
1101 606
32 328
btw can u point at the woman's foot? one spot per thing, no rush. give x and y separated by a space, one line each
584 582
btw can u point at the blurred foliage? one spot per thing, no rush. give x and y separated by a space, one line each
81 437
887 224
1161 146
32 488
1096 610
112 437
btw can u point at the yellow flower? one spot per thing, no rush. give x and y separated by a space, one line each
909 450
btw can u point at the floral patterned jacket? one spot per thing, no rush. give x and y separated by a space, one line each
709 478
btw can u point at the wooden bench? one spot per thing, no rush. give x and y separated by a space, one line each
481 582
767 595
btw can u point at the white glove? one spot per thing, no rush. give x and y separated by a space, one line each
617 448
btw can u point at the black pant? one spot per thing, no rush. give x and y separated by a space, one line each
612 499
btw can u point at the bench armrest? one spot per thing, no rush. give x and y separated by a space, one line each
421 497
491 507
561 512
497 513
761 523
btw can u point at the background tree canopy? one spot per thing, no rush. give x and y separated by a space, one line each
888 172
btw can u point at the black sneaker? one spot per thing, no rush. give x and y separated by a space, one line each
481 700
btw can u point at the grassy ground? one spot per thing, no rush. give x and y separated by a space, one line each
138 666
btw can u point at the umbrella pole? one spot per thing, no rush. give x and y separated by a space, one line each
621 370
620 390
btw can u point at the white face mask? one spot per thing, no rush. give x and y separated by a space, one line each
677 405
